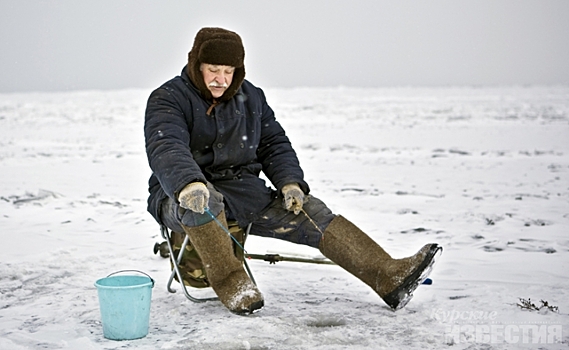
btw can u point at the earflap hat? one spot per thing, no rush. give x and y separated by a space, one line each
220 47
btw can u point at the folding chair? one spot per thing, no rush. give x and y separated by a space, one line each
239 235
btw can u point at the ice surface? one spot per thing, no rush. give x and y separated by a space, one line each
482 171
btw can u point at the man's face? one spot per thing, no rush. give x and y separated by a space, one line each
217 78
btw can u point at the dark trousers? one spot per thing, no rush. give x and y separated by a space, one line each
273 221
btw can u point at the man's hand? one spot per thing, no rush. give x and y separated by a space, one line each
194 197
293 198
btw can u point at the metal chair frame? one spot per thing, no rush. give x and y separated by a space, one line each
176 261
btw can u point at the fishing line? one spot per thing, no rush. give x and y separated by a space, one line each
312 221
225 229
239 244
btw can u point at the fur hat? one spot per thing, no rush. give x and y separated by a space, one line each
221 47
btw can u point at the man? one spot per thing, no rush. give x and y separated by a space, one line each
209 133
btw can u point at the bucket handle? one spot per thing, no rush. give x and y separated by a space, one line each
144 273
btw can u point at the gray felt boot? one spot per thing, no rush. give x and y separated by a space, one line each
393 279
225 272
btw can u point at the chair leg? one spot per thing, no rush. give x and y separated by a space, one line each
176 261
244 255
176 271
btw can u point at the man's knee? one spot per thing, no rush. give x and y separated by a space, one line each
318 212
305 228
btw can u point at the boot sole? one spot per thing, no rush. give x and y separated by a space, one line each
256 306
398 298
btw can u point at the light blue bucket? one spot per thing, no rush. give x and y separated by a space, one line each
125 305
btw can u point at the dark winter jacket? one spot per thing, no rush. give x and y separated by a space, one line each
229 148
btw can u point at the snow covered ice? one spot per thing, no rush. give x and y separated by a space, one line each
482 171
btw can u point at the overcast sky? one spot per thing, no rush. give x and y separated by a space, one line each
63 45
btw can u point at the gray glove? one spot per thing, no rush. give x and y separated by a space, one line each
194 197
293 198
